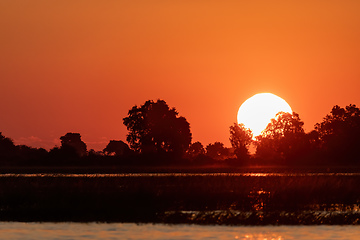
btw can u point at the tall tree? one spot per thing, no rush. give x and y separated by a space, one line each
156 128
283 139
240 139
339 134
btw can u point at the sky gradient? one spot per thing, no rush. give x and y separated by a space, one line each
79 66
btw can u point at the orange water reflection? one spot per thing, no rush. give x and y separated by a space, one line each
258 199
87 175
50 231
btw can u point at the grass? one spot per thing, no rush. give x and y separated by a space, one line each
299 199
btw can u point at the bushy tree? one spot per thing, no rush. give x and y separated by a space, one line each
156 128
73 141
283 139
196 149
217 151
7 147
117 148
240 139
339 134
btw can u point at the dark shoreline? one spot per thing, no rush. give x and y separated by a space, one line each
178 169
215 199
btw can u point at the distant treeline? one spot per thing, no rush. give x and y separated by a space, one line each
158 136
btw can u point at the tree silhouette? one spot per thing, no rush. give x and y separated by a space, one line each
31 155
283 139
240 139
156 128
339 134
118 148
73 141
7 147
217 151
196 149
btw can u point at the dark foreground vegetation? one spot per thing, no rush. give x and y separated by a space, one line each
160 141
157 136
177 198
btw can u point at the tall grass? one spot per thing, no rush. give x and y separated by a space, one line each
187 198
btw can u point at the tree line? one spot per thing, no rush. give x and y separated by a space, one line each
157 135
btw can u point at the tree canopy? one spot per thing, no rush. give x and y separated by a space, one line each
196 149
117 148
240 139
73 141
282 139
155 128
157 133
217 151
339 133
7 147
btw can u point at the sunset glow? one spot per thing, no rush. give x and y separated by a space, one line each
79 66
179 119
256 112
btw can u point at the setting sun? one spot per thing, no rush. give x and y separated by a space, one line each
256 112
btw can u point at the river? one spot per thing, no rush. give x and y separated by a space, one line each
52 231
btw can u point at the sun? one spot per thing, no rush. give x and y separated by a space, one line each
257 111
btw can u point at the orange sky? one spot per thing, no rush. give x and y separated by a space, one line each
69 65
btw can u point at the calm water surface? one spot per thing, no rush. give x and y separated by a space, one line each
136 175
52 231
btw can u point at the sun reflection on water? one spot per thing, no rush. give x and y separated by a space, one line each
259 237
130 175
81 231
259 199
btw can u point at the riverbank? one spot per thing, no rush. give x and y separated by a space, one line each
177 169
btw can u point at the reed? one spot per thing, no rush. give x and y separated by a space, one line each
296 199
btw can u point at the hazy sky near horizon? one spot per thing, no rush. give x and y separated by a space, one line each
79 66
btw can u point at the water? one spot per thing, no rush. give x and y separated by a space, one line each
52 231
137 175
